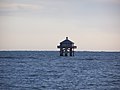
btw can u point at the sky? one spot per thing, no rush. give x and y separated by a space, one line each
93 25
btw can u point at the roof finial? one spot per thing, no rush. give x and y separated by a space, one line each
66 38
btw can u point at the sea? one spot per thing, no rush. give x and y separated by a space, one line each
46 70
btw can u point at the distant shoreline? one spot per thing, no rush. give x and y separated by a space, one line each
54 51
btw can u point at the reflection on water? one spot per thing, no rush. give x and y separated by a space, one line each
35 70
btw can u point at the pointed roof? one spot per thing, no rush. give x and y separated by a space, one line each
66 41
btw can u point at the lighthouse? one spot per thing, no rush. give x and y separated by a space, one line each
66 47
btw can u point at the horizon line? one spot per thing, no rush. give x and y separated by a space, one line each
75 50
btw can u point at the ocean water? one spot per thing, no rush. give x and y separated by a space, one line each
46 70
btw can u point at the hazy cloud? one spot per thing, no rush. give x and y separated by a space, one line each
17 6
106 1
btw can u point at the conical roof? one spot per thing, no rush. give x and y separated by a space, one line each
66 41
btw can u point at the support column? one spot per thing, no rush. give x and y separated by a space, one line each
73 51
70 51
61 51
66 52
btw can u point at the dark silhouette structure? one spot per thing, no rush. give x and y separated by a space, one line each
66 47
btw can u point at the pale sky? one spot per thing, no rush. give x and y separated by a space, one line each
41 24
